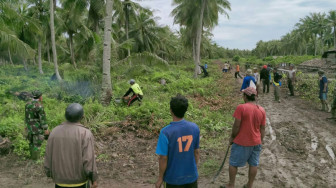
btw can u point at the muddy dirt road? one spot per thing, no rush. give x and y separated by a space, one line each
298 152
299 148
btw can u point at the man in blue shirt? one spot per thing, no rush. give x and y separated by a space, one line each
247 80
323 91
178 149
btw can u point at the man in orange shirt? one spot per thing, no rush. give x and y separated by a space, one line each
237 71
247 136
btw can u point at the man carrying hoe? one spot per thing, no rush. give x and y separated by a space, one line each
248 132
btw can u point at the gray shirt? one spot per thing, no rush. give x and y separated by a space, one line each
70 156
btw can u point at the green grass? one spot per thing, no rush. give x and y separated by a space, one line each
83 86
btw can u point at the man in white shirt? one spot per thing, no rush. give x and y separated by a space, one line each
291 79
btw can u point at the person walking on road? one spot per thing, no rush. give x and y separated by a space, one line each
70 156
264 76
333 107
36 124
248 79
248 132
237 71
291 79
137 93
323 84
256 76
226 67
178 149
276 83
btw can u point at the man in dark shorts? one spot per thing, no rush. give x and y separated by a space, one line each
247 136
178 149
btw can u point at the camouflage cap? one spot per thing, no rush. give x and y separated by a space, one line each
36 94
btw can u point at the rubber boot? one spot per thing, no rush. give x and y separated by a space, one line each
329 108
35 154
323 106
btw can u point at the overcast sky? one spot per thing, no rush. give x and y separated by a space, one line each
250 20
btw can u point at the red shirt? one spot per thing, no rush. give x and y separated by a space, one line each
251 116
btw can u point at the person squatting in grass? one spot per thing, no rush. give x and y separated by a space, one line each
247 136
137 93
204 70
178 149
36 124
70 156
323 84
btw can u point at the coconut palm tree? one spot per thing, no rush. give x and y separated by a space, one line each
195 15
53 42
106 81
332 23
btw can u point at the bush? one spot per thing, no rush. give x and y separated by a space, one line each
236 58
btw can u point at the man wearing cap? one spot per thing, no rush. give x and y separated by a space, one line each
247 80
136 90
247 135
323 91
36 124
264 76
70 156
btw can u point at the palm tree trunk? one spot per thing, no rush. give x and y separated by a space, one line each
199 39
315 45
335 37
39 56
53 43
106 81
10 57
127 36
72 54
48 51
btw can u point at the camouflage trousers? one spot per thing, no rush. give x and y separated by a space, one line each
35 141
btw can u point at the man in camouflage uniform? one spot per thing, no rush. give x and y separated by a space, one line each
37 128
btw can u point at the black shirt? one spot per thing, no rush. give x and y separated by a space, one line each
277 77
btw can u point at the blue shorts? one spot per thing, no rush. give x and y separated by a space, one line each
323 96
242 154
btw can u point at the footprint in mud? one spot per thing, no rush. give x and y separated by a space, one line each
293 139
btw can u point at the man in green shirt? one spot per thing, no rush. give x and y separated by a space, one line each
136 90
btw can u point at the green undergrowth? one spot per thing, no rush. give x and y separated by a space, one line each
83 86
274 60
308 88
